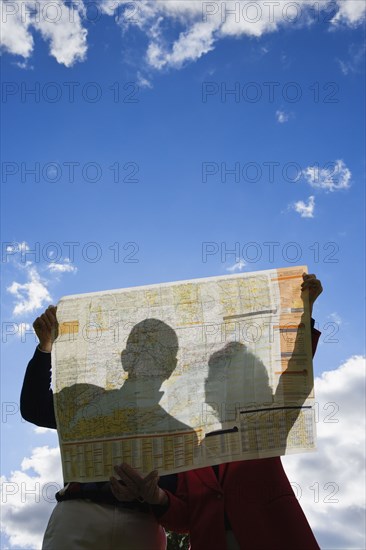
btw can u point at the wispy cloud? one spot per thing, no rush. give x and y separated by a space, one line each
334 178
237 266
282 117
305 210
65 267
335 317
63 25
142 81
355 61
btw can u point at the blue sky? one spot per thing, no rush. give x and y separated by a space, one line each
134 169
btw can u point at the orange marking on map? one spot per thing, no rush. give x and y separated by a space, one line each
68 327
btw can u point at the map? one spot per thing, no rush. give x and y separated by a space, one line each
181 375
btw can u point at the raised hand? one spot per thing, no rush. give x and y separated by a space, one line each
46 328
313 285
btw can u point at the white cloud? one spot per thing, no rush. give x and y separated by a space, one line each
65 267
203 24
355 61
41 431
338 176
335 317
18 247
331 481
237 266
28 497
350 13
29 296
58 24
142 81
207 22
34 293
282 116
191 45
63 28
23 329
305 210
15 37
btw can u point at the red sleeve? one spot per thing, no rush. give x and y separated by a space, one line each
176 517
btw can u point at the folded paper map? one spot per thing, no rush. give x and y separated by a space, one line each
182 375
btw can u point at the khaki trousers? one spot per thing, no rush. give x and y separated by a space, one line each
85 525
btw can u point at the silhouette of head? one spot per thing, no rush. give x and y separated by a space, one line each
236 378
151 350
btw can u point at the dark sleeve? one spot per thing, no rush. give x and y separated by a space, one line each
315 335
174 515
36 398
169 484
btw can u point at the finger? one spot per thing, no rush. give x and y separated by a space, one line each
120 492
46 321
131 473
312 283
133 484
154 475
36 323
51 317
151 490
39 324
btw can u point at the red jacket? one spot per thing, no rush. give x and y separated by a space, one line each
260 504
257 497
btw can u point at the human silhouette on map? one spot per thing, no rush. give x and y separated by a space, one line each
239 395
149 359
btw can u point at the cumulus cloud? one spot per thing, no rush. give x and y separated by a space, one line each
350 13
62 27
334 178
31 295
205 23
28 497
330 483
41 431
198 25
305 210
58 23
16 37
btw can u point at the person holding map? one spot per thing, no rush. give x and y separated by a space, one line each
234 506
88 515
